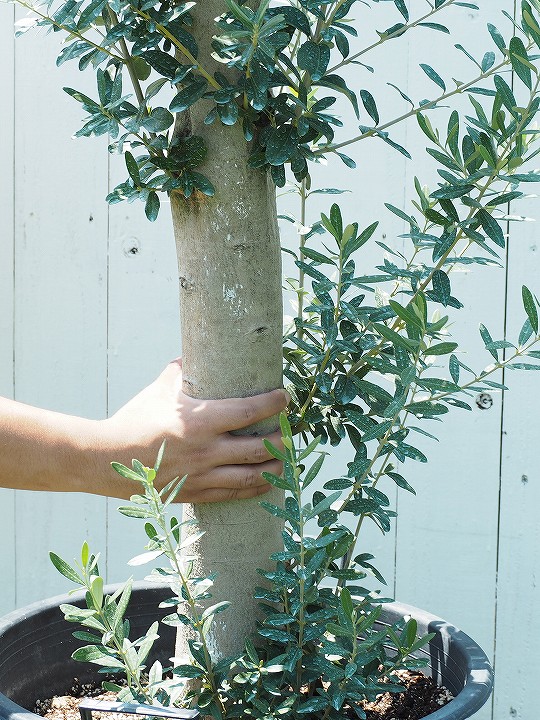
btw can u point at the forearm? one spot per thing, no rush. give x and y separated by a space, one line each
45 450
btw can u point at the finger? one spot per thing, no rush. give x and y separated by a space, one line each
244 449
238 413
226 495
240 477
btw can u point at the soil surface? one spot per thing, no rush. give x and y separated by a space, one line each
420 698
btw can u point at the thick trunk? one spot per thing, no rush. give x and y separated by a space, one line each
231 311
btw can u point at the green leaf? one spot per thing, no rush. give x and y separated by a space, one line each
406 314
441 287
134 512
158 120
520 61
163 63
313 57
506 94
142 69
133 168
356 242
215 609
313 471
522 366
126 472
321 506
188 671
453 366
400 4
188 96
488 341
441 348
530 307
335 82
432 75
93 654
491 227
65 569
152 206
497 38
371 107
280 145
525 333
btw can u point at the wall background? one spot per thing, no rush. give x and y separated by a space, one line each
88 316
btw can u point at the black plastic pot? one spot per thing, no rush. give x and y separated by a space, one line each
36 644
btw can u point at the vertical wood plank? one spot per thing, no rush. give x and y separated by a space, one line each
144 335
367 188
7 86
518 589
60 288
518 594
447 534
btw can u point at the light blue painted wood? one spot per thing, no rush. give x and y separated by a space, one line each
144 335
61 295
518 592
7 84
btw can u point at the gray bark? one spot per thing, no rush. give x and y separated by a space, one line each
231 313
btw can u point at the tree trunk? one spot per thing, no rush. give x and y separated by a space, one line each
231 314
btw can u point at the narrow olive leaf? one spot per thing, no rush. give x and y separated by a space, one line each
488 61
93 654
313 471
525 333
488 340
405 97
434 76
273 450
435 26
126 472
133 168
371 107
406 314
497 38
530 307
441 348
520 61
65 569
505 93
491 227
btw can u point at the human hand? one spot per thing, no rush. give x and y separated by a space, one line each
219 466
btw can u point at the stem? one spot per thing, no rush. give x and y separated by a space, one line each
390 36
172 554
373 132
128 61
68 30
301 274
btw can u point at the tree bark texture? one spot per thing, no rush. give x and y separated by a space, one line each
231 313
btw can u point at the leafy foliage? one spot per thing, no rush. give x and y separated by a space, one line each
310 634
278 82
